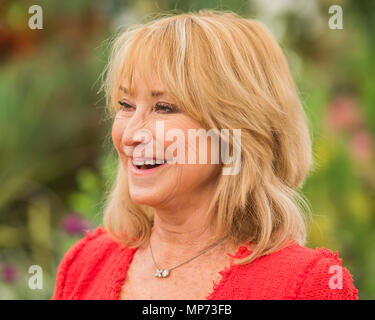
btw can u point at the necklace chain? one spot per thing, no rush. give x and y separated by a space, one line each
163 273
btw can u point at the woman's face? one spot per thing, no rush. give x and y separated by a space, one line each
169 184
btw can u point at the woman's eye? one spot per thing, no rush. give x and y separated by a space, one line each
159 107
125 106
166 108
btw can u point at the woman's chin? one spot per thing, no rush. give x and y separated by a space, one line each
145 198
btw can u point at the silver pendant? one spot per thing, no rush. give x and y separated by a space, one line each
161 273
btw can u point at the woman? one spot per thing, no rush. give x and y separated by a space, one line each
225 222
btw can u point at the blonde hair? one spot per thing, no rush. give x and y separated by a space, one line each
224 71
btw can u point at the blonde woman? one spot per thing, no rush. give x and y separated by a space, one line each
230 227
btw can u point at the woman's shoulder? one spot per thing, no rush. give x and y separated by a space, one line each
86 250
323 276
83 259
304 273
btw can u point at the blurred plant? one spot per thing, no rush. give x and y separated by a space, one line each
343 113
8 272
73 223
362 146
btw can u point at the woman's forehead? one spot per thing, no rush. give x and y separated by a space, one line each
148 85
153 93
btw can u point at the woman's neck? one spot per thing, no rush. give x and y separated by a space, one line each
172 243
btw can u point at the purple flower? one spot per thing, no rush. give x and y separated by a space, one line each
8 272
73 223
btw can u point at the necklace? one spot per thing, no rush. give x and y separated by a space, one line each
163 273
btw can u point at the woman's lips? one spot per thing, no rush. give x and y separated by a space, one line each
141 172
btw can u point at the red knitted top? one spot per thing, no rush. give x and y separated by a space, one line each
95 268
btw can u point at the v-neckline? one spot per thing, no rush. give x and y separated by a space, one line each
127 256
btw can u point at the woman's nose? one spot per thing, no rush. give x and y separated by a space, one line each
136 131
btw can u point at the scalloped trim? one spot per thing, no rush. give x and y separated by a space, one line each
72 254
226 272
89 235
121 272
216 286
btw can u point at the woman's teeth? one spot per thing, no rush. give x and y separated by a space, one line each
151 162
147 164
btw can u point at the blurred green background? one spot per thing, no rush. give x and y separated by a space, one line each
56 157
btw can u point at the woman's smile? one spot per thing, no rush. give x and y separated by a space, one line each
141 167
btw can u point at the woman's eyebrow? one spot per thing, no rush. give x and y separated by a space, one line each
153 93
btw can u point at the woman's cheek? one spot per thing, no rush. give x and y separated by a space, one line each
117 132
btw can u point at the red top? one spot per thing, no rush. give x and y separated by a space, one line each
95 268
